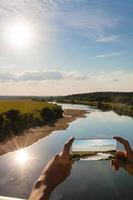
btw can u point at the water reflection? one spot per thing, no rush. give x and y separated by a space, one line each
89 180
22 157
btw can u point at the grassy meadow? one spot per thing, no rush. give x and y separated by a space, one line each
17 115
25 106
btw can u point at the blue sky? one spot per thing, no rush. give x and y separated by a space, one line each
76 46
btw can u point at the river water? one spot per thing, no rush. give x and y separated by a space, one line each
89 179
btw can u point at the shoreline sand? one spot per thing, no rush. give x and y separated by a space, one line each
32 135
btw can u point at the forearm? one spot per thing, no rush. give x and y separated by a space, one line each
54 173
41 191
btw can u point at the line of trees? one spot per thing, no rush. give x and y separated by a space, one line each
120 102
115 97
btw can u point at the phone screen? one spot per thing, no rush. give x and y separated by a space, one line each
93 149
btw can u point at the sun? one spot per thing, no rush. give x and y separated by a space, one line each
21 157
20 34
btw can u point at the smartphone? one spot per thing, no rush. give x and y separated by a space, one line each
93 149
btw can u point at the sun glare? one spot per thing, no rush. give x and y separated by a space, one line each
21 156
20 34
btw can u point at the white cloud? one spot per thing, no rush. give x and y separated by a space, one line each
76 76
108 38
63 83
92 22
96 82
112 76
108 55
41 76
112 38
7 76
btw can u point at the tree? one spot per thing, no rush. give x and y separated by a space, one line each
47 114
1 121
13 115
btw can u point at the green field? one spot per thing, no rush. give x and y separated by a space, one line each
24 105
17 115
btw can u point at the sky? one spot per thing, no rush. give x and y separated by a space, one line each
94 145
61 47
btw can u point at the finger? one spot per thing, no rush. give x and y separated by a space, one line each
121 155
115 165
67 146
124 142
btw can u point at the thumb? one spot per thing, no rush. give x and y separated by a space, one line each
67 146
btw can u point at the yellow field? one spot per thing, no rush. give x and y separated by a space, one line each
24 105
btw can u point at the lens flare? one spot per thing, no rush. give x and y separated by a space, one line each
22 157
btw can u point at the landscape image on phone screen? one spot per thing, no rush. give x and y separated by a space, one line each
93 149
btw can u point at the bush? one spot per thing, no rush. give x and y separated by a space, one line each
47 114
58 111
12 115
1 121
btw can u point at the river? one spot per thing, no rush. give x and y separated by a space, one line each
89 179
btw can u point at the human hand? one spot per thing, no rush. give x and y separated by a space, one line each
59 167
55 172
123 159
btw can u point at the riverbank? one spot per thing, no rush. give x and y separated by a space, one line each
32 135
119 108
119 102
